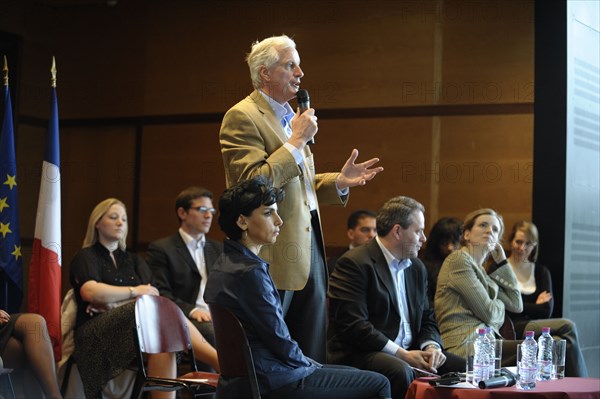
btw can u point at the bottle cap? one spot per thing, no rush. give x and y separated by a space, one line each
529 333
481 331
546 329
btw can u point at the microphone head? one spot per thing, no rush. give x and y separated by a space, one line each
498 382
302 97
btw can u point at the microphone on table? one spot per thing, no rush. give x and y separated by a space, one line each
303 104
507 379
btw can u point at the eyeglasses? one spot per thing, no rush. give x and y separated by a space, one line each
203 209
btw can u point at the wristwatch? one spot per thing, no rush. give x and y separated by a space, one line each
432 345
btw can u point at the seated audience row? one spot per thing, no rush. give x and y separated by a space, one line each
381 310
106 280
470 296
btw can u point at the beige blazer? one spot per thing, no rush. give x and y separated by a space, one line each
252 141
467 298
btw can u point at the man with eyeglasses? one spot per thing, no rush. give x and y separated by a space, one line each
181 263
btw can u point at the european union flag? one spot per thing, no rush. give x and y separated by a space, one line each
11 261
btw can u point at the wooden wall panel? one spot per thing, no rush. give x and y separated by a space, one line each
96 163
485 162
400 143
146 59
30 147
173 158
346 62
488 52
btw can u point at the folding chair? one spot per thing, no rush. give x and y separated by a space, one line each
235 356
161 327
5 373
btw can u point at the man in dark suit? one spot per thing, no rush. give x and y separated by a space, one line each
361 230
380 318
181 263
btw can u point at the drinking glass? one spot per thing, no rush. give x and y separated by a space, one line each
498 357
469 358
559 351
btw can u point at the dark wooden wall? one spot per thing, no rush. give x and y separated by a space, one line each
440 90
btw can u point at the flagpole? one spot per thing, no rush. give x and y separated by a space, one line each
53 73
5 72
4 275
45 269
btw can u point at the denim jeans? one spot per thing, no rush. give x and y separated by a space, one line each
335 382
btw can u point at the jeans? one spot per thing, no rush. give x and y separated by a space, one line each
335 382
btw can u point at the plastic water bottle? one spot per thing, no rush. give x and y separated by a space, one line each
489 334
544 355
481 357
528 366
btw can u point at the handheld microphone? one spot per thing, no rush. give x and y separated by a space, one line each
303 104
506 380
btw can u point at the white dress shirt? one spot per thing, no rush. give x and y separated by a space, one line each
196 248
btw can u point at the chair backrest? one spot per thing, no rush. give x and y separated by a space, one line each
235 355
161 327
507 330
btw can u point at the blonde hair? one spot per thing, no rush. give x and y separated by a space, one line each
531 231
266 53
91 235
470 222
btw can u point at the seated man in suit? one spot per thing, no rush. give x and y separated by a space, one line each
361 229
379 314
181 263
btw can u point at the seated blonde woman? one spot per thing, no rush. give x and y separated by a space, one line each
106 280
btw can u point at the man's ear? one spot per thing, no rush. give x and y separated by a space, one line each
399 232
181 213
351 234
264 73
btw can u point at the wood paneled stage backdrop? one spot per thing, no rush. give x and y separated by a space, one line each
441 91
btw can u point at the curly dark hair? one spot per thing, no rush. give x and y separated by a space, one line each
242 199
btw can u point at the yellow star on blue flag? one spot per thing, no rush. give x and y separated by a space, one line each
17 252
3 204
11 181
11 261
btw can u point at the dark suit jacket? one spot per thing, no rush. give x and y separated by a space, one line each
364 311
175 273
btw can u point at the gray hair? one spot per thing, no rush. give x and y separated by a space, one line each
397 210
266 53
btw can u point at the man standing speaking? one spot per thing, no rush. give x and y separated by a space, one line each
262 135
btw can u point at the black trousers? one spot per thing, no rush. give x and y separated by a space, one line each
305 311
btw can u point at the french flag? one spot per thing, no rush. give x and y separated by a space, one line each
45 268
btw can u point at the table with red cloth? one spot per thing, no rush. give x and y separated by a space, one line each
567 388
